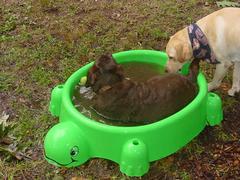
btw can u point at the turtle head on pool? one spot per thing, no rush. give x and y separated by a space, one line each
65 146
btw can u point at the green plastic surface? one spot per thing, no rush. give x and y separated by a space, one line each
77 138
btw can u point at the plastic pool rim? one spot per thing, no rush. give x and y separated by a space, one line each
71 82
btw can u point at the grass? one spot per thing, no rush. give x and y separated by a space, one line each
42 42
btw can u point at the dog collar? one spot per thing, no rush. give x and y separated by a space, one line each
200 45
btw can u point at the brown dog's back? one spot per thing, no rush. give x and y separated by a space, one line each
143 103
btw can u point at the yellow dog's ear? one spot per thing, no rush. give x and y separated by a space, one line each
186 53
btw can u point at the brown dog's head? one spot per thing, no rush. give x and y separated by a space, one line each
104 73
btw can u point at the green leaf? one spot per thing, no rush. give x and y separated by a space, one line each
227 4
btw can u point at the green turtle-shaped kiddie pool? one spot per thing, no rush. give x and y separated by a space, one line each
77 138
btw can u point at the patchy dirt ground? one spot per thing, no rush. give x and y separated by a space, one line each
43 41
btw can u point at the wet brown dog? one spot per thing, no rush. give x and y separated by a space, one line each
121 99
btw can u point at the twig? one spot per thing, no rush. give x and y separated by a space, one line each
24 177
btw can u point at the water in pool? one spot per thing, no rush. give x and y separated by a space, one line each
136 71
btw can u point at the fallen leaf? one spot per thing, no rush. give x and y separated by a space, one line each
3 118
5 127
227 4
78 178
6 140
58 177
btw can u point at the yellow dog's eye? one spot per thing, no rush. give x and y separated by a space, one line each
171 58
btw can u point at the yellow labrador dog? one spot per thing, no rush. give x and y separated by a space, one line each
214 38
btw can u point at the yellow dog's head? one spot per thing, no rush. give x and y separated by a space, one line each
179 51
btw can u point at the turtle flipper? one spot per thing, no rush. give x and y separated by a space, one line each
134 159
214 109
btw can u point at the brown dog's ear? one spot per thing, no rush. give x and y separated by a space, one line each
106 63
194 70
119 71
91 76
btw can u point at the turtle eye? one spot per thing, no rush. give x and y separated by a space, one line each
171 58
74 151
